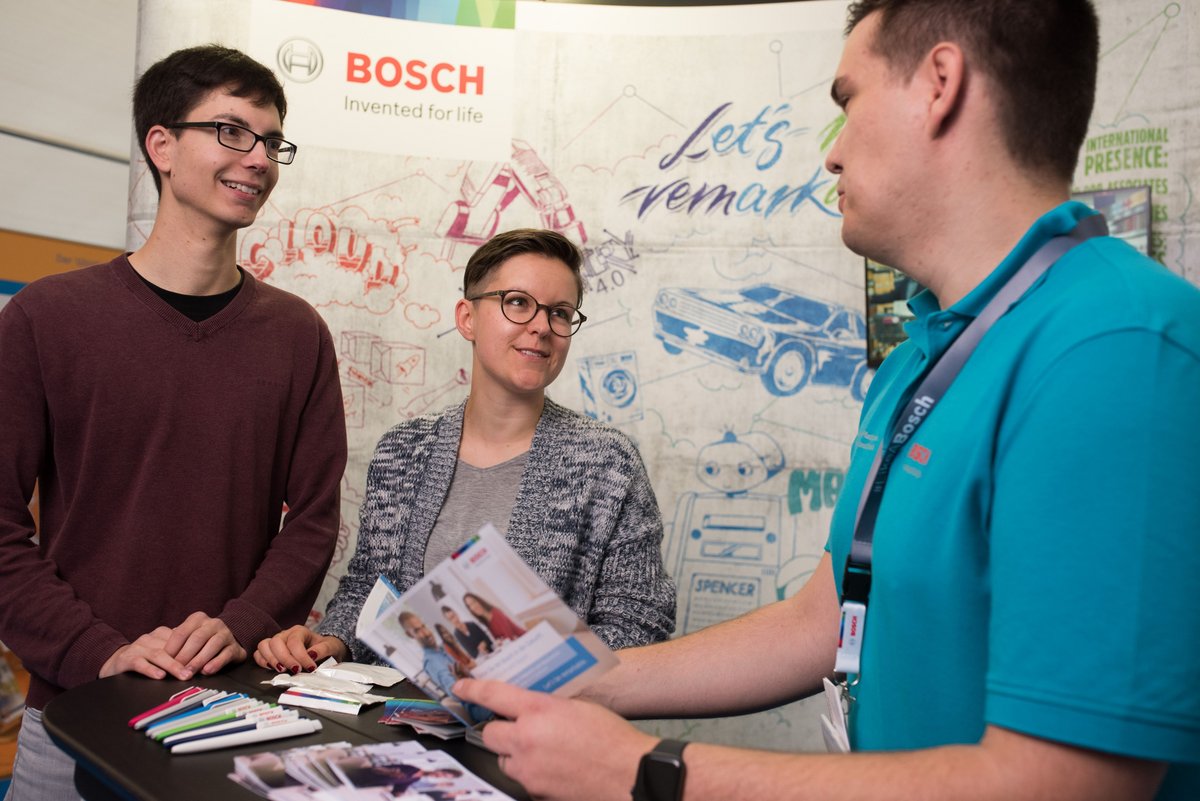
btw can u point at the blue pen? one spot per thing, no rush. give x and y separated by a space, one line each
188 704
165 707
203 708
211 697
218 714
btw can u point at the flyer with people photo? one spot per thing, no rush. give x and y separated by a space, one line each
482 613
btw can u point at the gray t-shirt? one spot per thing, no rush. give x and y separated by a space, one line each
477 495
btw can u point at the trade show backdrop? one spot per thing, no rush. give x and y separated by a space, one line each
683 149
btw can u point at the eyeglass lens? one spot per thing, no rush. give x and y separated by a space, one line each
243 139
520 308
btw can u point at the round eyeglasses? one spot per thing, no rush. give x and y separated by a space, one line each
520 307
238 137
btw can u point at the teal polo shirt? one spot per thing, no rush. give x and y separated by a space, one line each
1037 558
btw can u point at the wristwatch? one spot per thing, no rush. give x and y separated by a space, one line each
661 773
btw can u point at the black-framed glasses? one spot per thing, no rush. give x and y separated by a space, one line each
520 307
238 137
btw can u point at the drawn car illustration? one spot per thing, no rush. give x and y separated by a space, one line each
786 339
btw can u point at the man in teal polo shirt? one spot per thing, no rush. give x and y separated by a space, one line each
1029 588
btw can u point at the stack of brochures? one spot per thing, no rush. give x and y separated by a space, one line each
342 772
424 715
483 613
196 719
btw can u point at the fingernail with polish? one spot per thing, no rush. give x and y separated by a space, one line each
295 669
279 666
312 655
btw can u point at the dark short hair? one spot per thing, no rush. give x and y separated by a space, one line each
1041 57
502 247
171 88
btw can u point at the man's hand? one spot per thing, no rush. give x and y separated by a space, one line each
204 644
298 649
533 751
147 655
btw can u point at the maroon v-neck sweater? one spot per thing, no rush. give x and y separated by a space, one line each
164 452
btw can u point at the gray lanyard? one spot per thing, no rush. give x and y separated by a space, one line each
856 578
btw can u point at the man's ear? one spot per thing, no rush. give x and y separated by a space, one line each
944 72
464 319
160 145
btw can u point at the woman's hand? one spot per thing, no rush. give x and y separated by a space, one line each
298 649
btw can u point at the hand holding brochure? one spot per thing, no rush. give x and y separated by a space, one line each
482 613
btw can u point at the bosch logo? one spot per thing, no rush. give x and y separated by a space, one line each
300 60
919 454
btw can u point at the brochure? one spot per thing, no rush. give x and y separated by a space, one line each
345 772
483 613
424 715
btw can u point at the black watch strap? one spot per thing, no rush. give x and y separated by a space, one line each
661 773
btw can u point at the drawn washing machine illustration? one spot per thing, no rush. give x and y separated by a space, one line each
609 384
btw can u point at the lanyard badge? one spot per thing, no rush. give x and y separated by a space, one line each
850 638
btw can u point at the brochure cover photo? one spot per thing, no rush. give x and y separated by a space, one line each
483 613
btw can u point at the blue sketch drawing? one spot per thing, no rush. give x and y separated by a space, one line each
786 339
606 263
610 387
729 548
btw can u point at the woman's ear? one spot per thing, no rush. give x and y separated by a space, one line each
464 319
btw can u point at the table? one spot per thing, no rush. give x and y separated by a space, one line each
91 723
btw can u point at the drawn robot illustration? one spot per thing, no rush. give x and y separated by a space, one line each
733 550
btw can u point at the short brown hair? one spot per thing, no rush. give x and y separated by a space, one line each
169 90
1041 56
502 247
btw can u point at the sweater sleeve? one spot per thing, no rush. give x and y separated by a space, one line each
55 633
634 602
287 581
376 548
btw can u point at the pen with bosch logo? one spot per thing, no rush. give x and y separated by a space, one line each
219 713
247 722
264 730
165 707
197 706
184 701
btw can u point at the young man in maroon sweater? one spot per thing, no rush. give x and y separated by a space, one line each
168 406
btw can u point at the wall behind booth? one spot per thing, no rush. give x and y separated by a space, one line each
683 149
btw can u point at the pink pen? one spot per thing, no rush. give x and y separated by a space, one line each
170 702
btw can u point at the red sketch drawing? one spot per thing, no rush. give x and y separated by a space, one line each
488 189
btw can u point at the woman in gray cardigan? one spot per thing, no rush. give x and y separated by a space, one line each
571 494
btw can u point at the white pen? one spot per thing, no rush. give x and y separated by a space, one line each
247 723
223 710
253 715
267 730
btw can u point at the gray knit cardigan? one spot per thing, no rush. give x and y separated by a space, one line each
585 519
